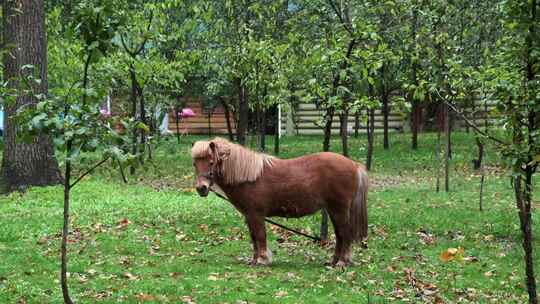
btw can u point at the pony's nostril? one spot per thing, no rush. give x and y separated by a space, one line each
202 189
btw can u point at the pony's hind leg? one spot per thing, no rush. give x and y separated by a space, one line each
342 255
257 229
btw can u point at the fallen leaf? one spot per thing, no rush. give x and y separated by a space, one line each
145 297
130 276
281 294
122 224
451 254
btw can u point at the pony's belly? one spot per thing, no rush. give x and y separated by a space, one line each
294 210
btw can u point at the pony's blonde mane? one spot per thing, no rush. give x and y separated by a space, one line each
238 163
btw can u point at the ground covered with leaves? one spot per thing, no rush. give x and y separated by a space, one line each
154 240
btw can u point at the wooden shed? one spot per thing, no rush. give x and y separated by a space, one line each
204 122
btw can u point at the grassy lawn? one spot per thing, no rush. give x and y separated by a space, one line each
155 240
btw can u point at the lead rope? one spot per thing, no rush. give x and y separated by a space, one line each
314 238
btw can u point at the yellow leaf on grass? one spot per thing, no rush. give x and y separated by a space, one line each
451 254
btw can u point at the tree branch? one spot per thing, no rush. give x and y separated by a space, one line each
340 16
88 172
470 123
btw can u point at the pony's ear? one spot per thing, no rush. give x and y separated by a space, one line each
221 151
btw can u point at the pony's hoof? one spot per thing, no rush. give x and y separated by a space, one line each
341 264
338 264
260 261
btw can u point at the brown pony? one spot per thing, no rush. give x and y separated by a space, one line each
260 186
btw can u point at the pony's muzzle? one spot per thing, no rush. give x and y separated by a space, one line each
203 190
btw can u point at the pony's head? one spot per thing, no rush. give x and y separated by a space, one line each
208 157
220 161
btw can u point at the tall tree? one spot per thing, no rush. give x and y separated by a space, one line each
33 163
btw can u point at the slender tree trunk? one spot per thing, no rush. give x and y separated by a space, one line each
177 122
415 123
438 148
227 118
344 120
142 133
416 109
328 128
262 130
356 124
482 179
277 131
523 199
134 144
371 138
65 230
385 108
447 150
25 164
243 113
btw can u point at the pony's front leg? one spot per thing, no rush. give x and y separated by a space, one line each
257 229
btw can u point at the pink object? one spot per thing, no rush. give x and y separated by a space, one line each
105 113
186 112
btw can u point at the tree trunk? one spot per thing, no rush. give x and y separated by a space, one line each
26 164
227 118
356 124
415 123
344 120
416 109
371 137
448 147
243 113
65 231
385 109
277 131
328 128
134 143
262 129
523 195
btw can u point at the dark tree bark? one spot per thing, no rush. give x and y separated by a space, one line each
447 154
371 138
416 110
370 130
385 108
261 128
243 113
277 131
344 120
328 128
356 124
177 121
227 117
440 123
524 193
134 93
26 164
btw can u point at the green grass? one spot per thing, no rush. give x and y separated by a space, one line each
154 240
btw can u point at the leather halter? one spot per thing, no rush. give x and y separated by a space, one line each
212 173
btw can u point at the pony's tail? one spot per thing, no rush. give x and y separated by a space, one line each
358 216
